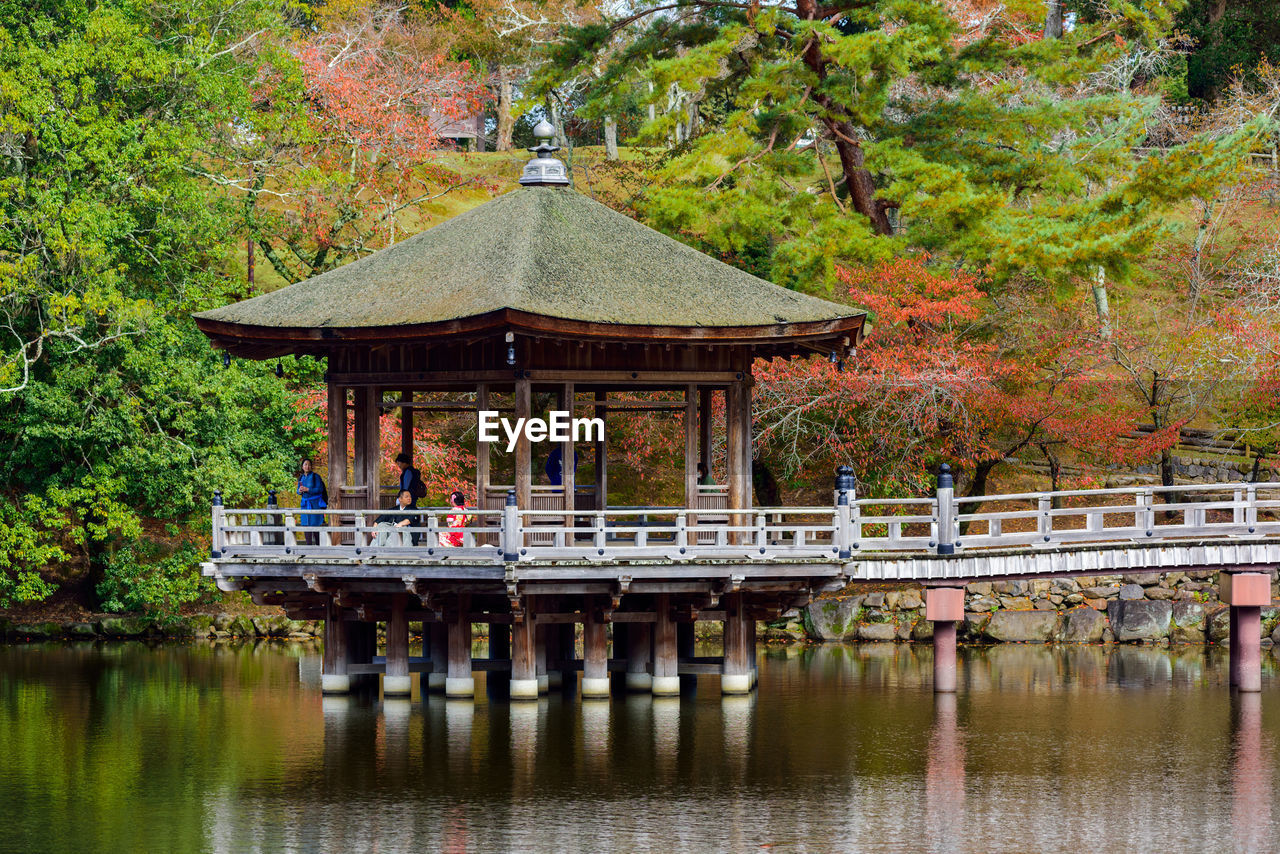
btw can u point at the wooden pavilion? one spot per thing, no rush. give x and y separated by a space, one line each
542 290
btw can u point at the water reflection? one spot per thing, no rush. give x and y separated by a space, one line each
190 748
944 778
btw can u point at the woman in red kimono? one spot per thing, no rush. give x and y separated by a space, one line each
456 519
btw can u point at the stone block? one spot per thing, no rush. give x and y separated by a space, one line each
982 603
1188 622
877 632
124 627
1011 588
973 625
1022 626
1096 604
82 631
909 600
1131 592
1173 578
1016 603
979 588
1100 592
923 631
1082 625
835 619
1141 620
874 600
1163 594
1219 623
1142 579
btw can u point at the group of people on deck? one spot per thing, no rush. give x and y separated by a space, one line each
313 495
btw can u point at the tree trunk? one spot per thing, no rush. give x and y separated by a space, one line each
857 178
610 138
506 119
978 486
1053 20
1101 304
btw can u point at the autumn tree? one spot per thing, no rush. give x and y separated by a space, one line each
342 143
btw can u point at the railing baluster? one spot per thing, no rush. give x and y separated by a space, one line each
1044 521
601 533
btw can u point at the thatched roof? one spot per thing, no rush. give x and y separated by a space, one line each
537 251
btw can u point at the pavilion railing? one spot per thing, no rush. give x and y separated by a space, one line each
941 524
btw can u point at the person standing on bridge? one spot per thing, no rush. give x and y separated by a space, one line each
311 490
410 479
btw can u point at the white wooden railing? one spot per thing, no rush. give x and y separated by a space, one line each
938 525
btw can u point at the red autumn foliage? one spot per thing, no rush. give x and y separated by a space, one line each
932 384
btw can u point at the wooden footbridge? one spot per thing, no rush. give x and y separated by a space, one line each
544 301
653 572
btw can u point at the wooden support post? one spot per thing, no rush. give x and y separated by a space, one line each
396 681
437 635
362 646
704 426
549 655
666 664
691 446
568 466
368 442
459 682
738 428
736 671
333 674
595 656
524 662
944 607
482 449
406 423
639 653
751 651
1246 593
602 462
498 682
524 453
337 462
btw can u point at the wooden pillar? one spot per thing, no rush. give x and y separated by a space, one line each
639 652
666 664
337 462
738 430
595 655
362 645
367 444
549 655
524 663
704 426
437 636
691 446
524 453
406 423
567 468
736 671
333 675
459 682
540 657
602 461
482 448
396 681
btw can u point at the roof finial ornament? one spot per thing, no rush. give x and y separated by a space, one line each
544 170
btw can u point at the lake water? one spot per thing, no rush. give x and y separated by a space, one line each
125 747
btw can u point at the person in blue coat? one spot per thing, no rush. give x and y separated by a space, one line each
314 496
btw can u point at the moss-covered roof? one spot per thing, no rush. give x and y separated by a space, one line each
541 250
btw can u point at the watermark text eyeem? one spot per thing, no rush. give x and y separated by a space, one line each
558 427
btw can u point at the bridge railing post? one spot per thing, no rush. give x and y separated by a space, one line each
510 528
219 519
1044 504
1251 507
946 512
845 535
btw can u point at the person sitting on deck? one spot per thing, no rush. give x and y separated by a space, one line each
314 496
410 479
456 519
704 476
387 523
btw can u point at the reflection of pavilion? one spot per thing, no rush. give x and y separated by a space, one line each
541 293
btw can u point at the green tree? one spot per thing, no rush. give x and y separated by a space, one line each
113 410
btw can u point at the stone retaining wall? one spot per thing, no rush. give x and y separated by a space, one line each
199 625
1150 607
